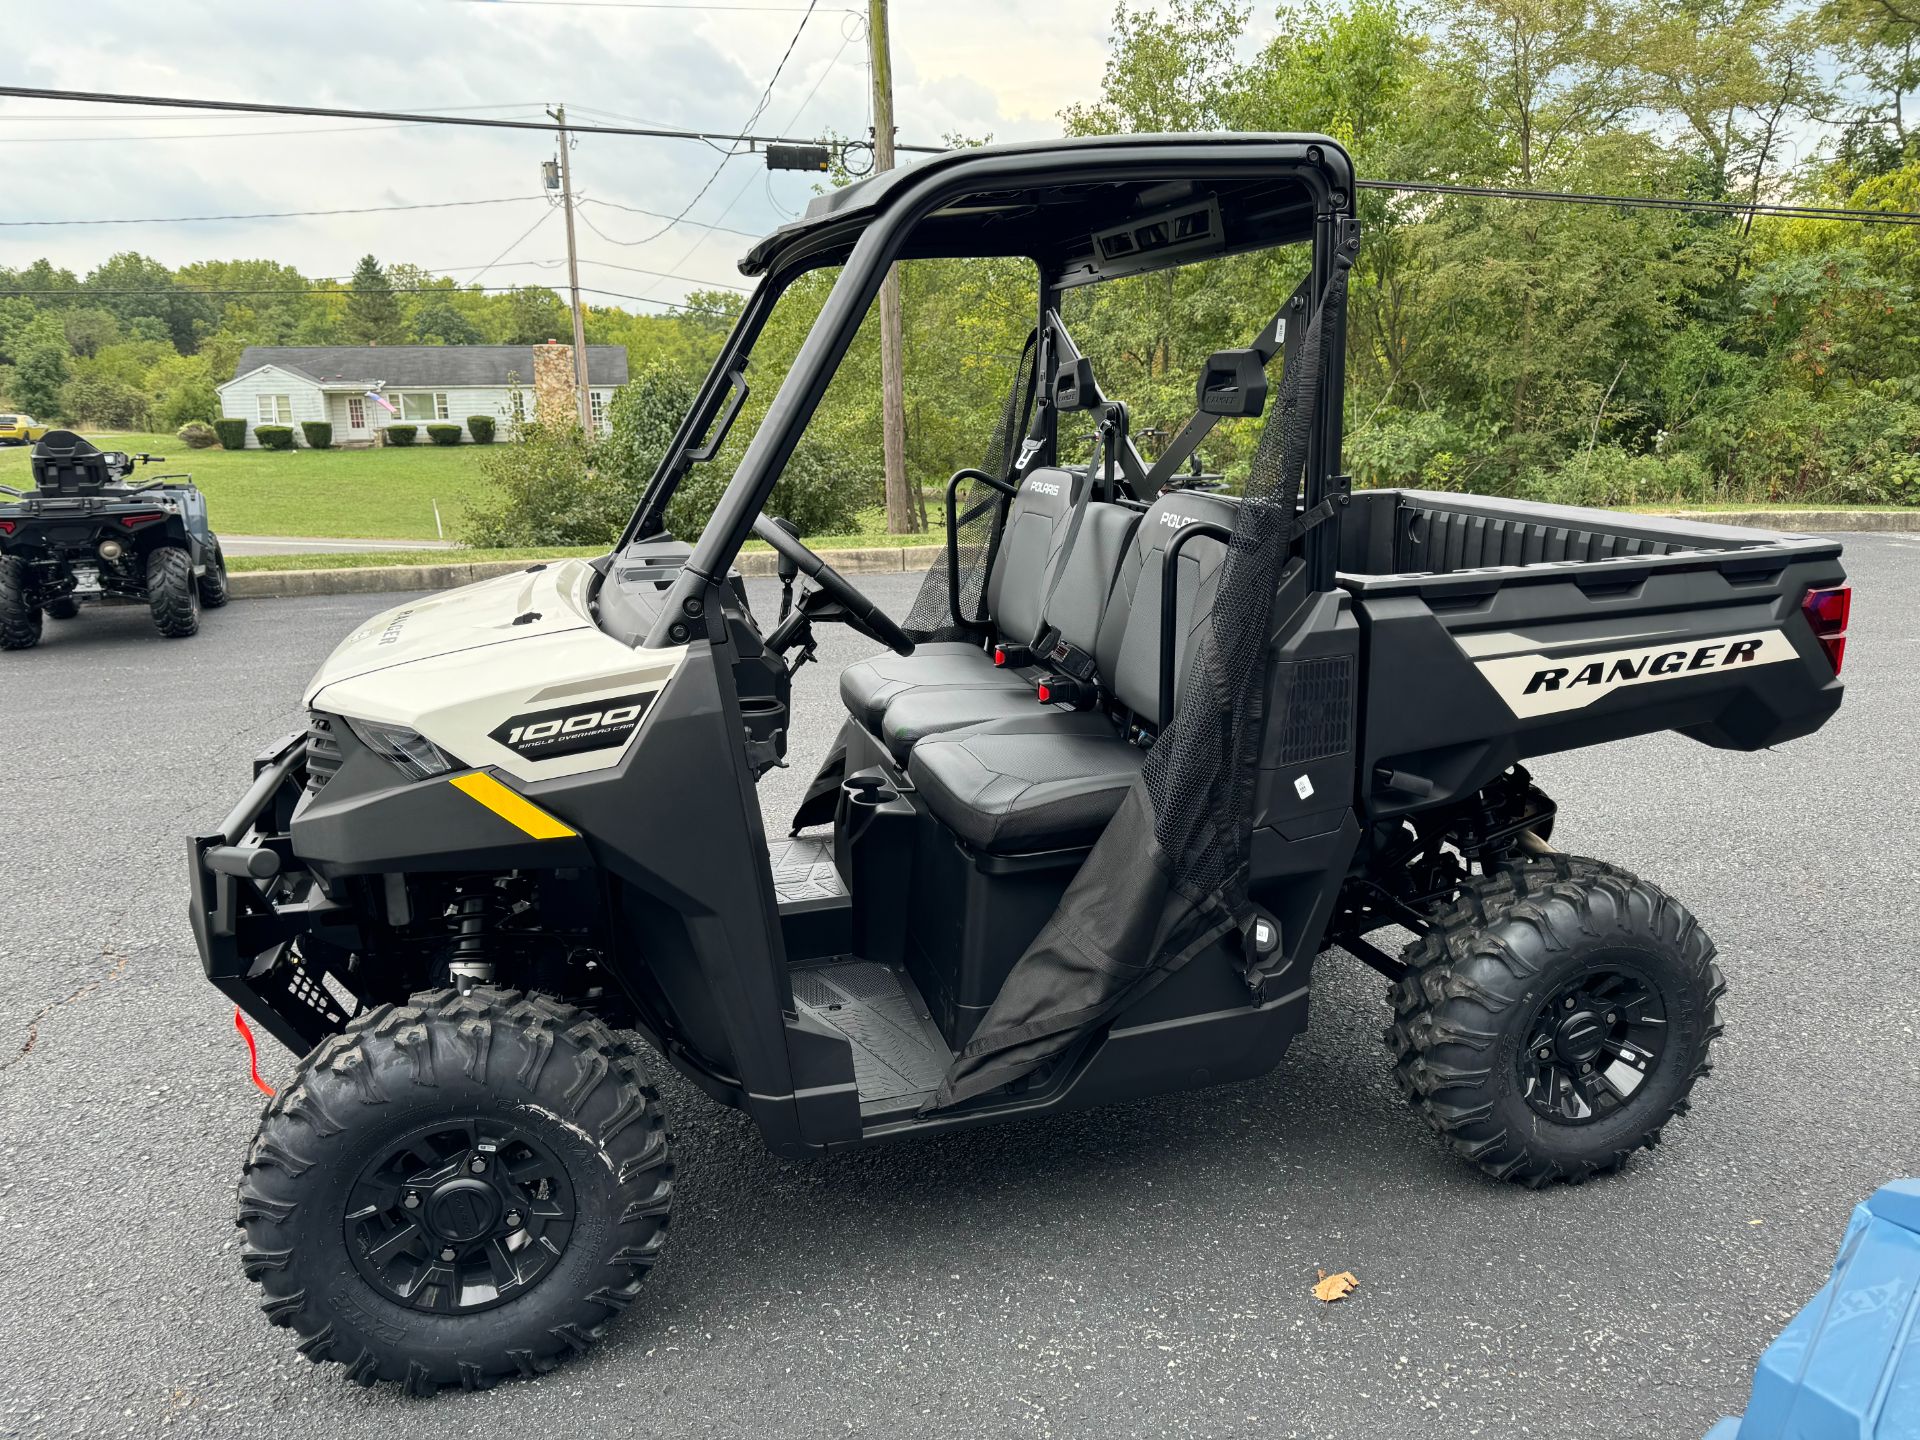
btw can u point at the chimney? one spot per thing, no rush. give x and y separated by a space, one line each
553 393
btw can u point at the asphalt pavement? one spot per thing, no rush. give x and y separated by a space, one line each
1136 1271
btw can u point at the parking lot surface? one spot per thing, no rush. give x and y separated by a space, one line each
1137 1271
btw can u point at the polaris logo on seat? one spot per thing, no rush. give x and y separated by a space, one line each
1044 487
549 734
1536 684
1171 520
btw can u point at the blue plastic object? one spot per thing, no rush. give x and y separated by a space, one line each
1847 1367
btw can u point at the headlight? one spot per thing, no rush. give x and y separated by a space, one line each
417 757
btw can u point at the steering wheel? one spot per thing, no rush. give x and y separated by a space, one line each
861 613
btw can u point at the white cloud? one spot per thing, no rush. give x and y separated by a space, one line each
987 67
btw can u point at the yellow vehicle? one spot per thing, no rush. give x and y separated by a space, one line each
20 429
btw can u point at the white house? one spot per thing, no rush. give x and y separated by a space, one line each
363 389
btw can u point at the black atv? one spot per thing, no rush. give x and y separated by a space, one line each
82 534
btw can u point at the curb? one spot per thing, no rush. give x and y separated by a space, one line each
375 579
912 559
1804 522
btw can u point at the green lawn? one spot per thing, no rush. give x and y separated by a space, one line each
379 494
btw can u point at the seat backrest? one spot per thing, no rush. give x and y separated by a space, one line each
1127 649
1017 584
1086 580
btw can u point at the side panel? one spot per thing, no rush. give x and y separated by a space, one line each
1462 681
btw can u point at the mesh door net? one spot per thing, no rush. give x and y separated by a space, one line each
1168 875
952 600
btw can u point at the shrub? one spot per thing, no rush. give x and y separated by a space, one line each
232 433
544 491
444 434
274 437
105 401
196 435
1609 475
317 433
480 427
400 434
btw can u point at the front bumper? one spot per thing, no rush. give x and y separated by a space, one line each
250 900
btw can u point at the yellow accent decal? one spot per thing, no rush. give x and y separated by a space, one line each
513 807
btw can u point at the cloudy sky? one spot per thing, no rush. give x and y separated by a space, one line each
972 67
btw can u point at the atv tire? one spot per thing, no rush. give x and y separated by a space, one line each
19 621
365 1145
1555 1018
65 608
213 584
172 595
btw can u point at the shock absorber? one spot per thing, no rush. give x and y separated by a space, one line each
469 966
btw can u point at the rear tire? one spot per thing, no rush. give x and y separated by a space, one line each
213 584
383 1112
19 621
172 595
65 608
1555 1019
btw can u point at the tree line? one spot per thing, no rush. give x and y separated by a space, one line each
1588 353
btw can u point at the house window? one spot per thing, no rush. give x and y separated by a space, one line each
422 404
597 402
275 409
356 412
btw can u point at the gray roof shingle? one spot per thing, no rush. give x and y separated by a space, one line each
442 366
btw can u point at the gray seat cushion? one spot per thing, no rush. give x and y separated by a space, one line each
868 687
1050 781
920 713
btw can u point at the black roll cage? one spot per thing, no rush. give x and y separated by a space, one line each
867 227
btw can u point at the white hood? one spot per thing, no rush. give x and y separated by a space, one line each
457 668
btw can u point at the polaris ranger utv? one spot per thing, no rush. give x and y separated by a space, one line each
1138 755
83 535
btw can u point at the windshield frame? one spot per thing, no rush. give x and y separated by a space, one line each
878 238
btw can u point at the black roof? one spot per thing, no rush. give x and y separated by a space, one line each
436 365
1046 198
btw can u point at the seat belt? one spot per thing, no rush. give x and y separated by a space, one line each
1047 644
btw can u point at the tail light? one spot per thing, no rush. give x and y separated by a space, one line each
1828 611
7 526
133 522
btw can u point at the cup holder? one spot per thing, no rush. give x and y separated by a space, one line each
868 790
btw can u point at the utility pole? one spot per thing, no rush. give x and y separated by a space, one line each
903 513
573 280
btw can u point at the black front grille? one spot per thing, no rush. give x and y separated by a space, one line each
323 752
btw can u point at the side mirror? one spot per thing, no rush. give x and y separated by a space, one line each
1234 382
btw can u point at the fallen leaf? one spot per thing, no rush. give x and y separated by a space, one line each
1335 1287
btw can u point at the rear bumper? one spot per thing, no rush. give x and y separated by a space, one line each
250 900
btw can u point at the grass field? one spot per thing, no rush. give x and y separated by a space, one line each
380 494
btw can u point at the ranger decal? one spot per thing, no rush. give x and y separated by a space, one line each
1546 684
572 729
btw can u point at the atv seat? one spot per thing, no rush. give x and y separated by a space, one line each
1017 584
1078 605
1051 781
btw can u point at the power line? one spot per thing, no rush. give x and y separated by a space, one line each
279 214
671 275
545 216
1649 202
758 110
222 291
640 5
411 117
656 215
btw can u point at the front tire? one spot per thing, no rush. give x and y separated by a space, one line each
65 608
19 621
441 1156
172 596
1555 1018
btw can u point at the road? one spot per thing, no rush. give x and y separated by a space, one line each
1139 1271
